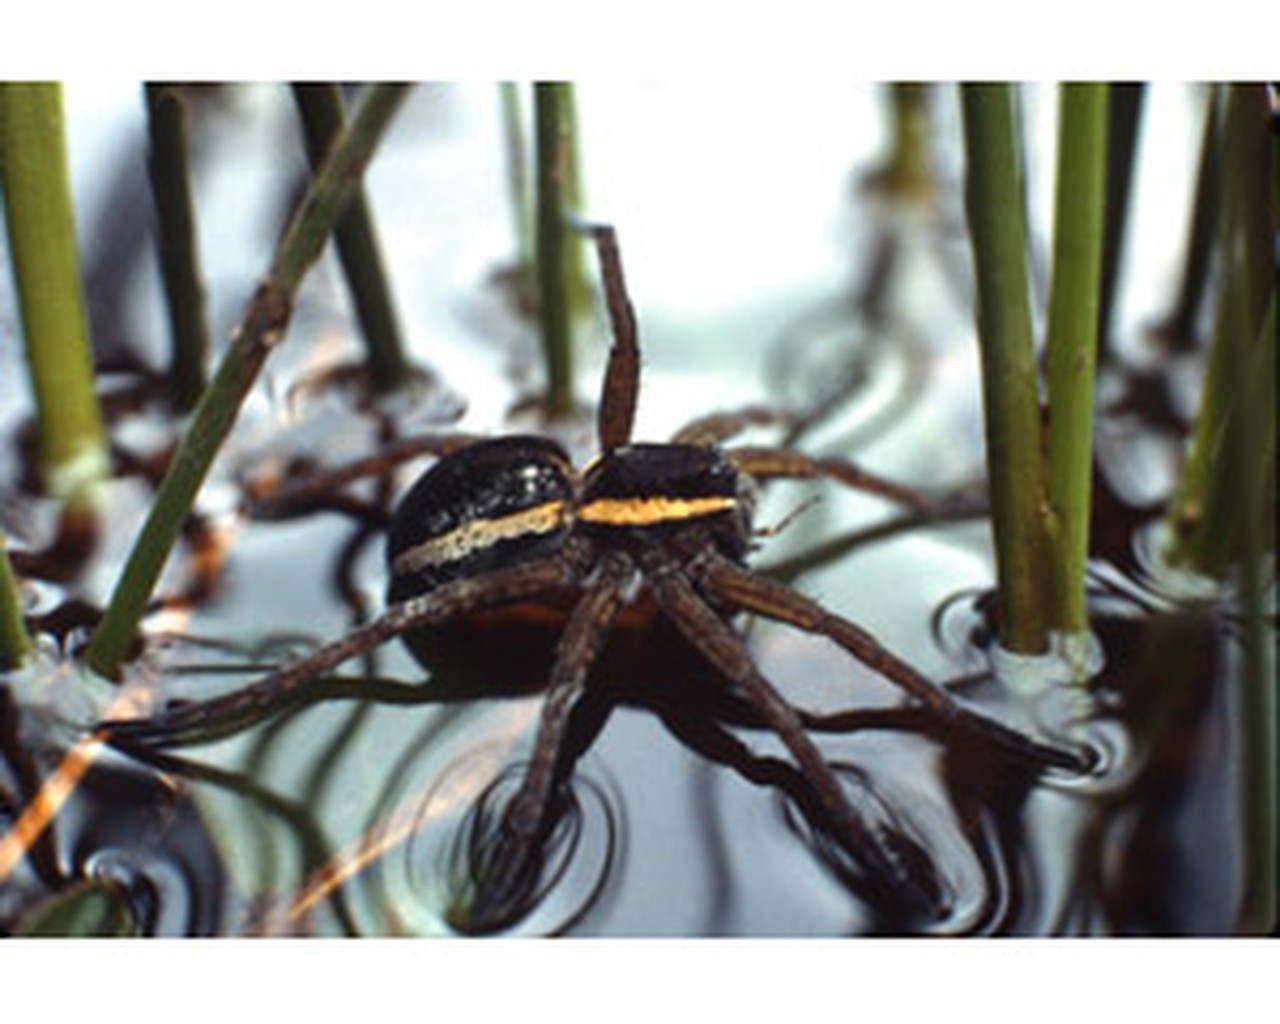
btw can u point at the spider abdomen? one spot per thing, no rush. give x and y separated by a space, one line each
492 504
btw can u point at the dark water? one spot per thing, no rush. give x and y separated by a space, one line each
355 809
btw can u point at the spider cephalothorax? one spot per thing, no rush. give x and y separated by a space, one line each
506 539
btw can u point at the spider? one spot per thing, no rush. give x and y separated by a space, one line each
506 534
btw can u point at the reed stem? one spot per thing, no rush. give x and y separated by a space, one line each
179 250
1125 102
1072 344
42 243
321 110
15 641
552 104
907 172
1178 328
1205 515
994 200
262 328
1257 697
518 177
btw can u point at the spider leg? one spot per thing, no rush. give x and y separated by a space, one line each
509 870
298 497
185 722
718 427
745 591
764 464
721 646
890 869
622 375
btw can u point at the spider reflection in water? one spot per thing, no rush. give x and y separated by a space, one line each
502 546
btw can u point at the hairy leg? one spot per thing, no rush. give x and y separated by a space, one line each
745 591
185 723
508 865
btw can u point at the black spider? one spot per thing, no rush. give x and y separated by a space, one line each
504 539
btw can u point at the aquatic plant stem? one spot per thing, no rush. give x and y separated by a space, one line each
551 115
1256 691
518 179
15 642
1125 103
1205 516
1071 347
262 328
170 174
321 110
1178 328
1222 520
994 201
907 173
42 243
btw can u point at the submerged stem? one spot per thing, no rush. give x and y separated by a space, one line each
1257 680
994 198
1073 338
262 328
42 244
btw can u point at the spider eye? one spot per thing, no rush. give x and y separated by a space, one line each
494 503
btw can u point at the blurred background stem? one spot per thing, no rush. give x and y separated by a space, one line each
1178 328
994 201
262 328
518 181
1257 687
1125 102
42 243
907 173
15 642
554 154
170 172
1205 515
320 107
1074 302
1222 520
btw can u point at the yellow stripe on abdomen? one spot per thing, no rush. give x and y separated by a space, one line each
468 537
651 511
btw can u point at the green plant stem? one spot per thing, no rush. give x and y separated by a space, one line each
518 177
42 243
1223 518
323 118
551 113
1257 699
994 198
15 642
1124 116
262 328
1205 515
907 173
1178 328
1074 299
179 250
